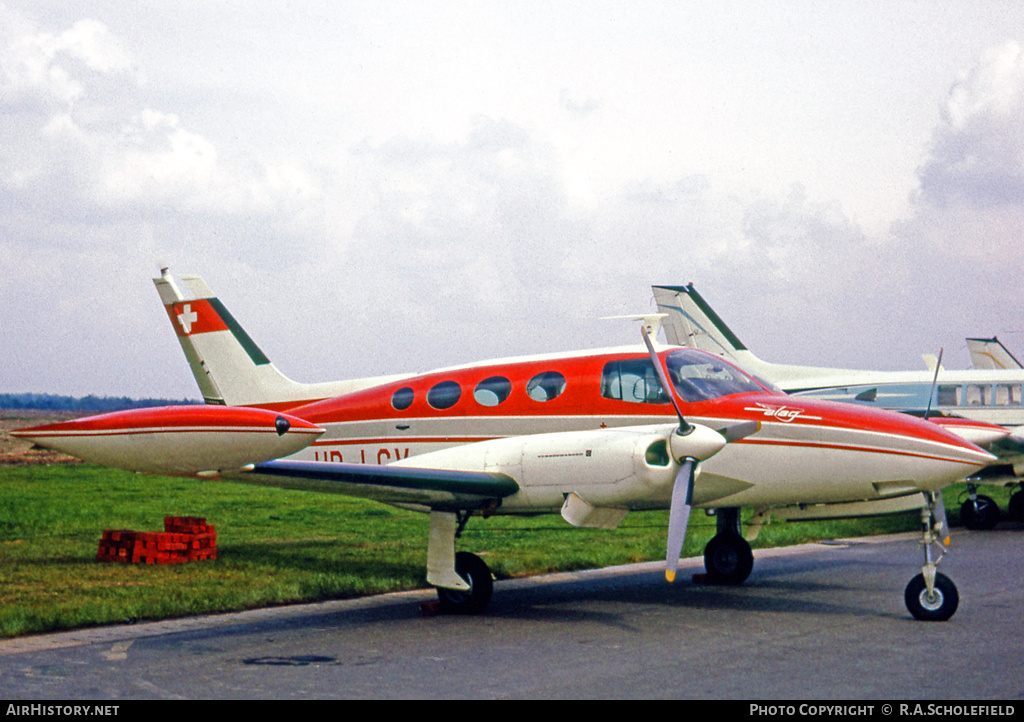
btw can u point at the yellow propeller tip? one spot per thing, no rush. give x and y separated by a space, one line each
670 576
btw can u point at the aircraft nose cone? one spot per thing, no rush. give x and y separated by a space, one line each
936 456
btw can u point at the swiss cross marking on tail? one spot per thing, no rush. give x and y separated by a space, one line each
187 317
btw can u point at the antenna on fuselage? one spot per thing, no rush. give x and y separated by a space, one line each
935 379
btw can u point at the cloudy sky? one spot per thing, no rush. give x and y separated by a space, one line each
378 187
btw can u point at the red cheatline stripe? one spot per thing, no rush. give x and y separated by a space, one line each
864 449
165 430
408 440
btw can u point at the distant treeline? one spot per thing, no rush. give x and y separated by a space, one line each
51 402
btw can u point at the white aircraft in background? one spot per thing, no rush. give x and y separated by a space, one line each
590 434
990 392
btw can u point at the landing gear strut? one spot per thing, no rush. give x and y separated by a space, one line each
932 596
463 581
727 557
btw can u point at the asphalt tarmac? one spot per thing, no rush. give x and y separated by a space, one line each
814 622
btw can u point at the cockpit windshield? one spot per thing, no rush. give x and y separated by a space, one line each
699 377
696 375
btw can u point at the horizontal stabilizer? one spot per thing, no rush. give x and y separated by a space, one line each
178 439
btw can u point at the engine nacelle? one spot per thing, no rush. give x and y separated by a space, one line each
620 467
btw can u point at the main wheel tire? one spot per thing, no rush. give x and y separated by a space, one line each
481 586
728 559
938 606
981 514
1015 509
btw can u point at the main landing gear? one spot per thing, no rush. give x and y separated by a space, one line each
978 512
477 575
1015 509
463 581
931 596
727 557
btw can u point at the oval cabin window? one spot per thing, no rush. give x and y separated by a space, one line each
545 386
444 395
402 399
492 391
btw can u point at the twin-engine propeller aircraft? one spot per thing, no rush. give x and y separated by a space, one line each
984 404
591 434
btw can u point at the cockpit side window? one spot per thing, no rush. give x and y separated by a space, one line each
633 380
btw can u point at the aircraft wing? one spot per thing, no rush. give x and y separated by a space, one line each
435 488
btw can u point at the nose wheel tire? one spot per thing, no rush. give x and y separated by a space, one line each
481 585
936 606
728 559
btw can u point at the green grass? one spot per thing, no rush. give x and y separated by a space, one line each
277 546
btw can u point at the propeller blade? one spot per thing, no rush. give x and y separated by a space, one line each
679 516
684 427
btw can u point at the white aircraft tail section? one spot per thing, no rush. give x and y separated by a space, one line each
690 321
989 353
226 363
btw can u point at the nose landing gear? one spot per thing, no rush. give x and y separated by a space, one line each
931 596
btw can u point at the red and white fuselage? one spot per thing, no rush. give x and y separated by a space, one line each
806 452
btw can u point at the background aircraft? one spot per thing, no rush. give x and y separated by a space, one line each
589 434
991 392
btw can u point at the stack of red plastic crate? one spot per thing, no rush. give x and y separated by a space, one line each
184 539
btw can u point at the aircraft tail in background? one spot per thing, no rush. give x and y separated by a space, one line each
692 322
989 353
226 363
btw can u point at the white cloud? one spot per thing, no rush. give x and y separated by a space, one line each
344 207
978 152
41 69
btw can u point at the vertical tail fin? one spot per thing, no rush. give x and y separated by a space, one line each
989 353
226 363
692 322
228 366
